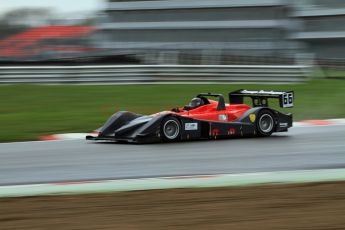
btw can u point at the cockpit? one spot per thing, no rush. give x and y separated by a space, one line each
194 103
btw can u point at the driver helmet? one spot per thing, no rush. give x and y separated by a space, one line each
196 102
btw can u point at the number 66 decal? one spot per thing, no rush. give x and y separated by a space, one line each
287 100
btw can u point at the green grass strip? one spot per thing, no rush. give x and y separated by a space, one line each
29 111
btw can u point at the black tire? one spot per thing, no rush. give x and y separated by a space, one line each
171 129
265 123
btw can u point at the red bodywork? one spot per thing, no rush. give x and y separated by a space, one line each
209 112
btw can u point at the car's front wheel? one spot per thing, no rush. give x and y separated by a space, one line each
265 123
171 129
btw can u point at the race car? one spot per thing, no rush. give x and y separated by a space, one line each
203 118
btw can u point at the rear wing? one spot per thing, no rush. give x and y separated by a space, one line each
259 98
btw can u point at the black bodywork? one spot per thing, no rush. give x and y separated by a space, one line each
130 127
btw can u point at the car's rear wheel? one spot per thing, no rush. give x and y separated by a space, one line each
265 123
171 129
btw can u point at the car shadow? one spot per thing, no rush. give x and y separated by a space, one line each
273 137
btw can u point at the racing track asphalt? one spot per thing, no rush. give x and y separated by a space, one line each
56 161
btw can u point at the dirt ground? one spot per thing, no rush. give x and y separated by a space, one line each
308 206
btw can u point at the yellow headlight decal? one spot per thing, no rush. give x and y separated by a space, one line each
252 117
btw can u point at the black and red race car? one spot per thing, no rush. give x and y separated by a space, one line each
203 118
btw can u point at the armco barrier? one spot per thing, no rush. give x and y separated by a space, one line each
153 74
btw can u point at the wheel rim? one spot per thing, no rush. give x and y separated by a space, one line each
266 123
171 129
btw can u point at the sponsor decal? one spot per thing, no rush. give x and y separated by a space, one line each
261 92
215 132
223 117
252 117
191 126
283 125
232 131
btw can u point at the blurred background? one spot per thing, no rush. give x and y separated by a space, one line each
67 65
271 32
166 45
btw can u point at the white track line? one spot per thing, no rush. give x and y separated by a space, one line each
199 181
